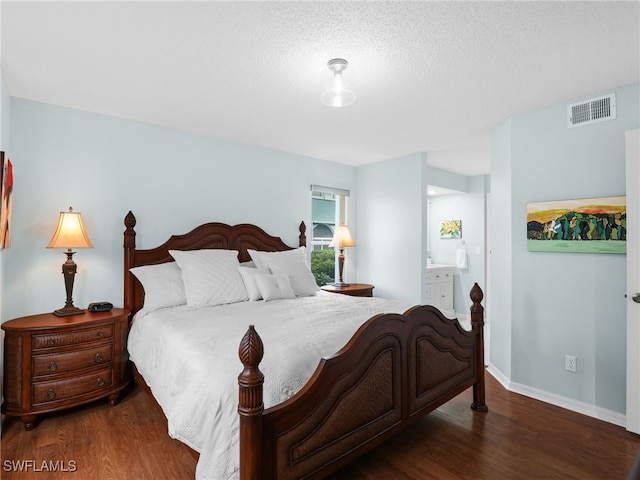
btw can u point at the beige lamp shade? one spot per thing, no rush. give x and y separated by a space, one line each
342 238
70 232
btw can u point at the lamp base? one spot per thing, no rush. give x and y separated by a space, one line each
341 284
69 271
63 312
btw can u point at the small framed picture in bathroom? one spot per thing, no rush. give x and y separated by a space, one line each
451 229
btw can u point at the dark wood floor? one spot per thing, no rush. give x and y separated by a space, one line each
519 438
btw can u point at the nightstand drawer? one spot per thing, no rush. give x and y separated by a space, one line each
71 338
55 363
51 392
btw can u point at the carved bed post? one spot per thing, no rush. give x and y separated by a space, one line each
477 324
302 239
129 251
250 406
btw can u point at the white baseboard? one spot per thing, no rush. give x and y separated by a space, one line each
603 414
499 376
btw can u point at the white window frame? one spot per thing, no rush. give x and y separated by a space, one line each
340 215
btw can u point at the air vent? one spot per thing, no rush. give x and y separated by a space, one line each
591 111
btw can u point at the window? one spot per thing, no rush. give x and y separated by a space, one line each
327 211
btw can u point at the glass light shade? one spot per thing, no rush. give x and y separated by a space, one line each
342 238
70 232
338 96
332 98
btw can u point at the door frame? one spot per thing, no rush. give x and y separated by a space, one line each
632 149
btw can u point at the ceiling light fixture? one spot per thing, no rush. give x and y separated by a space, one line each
338 96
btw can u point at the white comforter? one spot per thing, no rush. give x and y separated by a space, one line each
189 358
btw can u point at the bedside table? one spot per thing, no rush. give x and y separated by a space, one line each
52 363
353 289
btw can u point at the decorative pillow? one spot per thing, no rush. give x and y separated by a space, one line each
163 285
292 263
273 287
248 275
210 276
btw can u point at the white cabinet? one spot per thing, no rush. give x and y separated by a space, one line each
440 288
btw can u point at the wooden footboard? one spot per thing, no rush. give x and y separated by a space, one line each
394 370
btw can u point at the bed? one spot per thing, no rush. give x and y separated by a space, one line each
349 372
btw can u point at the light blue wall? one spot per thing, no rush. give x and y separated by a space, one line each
470 208
545 305
450 180
391 217
4 142
173 181
5 105
499 260
560 303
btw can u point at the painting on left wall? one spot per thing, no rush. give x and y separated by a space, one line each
6 196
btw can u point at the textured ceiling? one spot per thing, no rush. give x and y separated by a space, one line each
431 77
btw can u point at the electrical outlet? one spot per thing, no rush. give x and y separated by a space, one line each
571 363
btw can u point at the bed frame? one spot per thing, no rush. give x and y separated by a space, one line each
394 370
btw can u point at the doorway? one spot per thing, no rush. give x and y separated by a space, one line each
469 208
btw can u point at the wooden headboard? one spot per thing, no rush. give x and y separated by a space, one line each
209 235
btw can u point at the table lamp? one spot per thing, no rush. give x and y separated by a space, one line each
341 239
69 234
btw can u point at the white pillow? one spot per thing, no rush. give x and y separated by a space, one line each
163 285
248 275
210 276
273 287
292 263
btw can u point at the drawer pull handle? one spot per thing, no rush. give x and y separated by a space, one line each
98 357
51 342
100 334
100 382
53 366
51 394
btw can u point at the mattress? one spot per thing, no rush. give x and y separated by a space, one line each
189 359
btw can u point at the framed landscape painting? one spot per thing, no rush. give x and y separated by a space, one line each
587 225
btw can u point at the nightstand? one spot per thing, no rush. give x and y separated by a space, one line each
52 363
353 289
